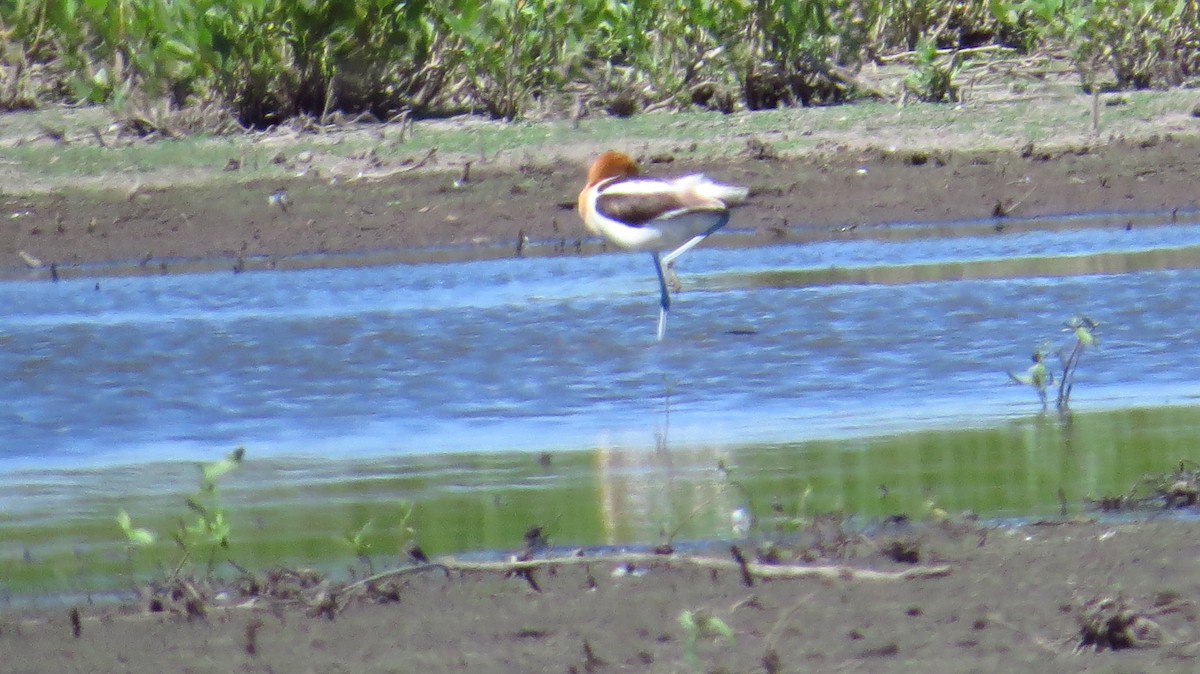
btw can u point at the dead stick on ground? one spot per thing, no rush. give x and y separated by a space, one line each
396 573
969 51
1004 211
784 616
379 175
831 572
421 162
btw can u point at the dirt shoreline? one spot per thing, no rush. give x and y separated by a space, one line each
978 599
422 215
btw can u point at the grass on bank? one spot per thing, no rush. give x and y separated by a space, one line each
267 61
48 150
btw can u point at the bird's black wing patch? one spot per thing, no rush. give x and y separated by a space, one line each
636 210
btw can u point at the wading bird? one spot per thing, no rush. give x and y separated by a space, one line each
651 214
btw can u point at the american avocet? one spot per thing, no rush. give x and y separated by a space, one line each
650 214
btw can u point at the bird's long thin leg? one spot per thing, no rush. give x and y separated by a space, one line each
661 263
665 304
691 243
670 257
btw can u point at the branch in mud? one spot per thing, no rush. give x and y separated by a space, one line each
827 572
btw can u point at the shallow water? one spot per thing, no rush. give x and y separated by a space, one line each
870 373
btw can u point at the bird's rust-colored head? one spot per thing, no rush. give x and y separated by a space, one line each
611 164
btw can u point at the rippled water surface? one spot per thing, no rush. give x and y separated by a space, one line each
493 395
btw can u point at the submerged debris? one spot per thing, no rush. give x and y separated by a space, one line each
1112 623
903 550
1170 491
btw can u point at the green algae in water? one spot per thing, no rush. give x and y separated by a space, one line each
64 537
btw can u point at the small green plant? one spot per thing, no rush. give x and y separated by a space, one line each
932 78
934 513
356 540
697 626
1082 330
135 538
801 517
362 539
207 533
1036 376
204 534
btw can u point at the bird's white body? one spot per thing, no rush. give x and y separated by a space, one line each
655 215
685 207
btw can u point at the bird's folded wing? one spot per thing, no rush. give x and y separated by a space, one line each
636 202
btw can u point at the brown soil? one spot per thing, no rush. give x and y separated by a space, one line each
402 217
1065 597
1013 600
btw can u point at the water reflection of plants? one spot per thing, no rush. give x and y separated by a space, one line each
1026 467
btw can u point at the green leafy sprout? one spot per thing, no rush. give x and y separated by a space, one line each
700 625
208 529
932 78
135 537
361 540
1083 336
205 530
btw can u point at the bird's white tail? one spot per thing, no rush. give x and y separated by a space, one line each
704 187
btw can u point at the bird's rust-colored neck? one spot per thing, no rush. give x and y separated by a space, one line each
611 164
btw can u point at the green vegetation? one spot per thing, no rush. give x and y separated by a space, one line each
298 513
368 538
698 626
1036 376
1138 44
184 65
204 534
1082 331
932 80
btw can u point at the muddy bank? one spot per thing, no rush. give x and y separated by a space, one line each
1051 598
420 210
